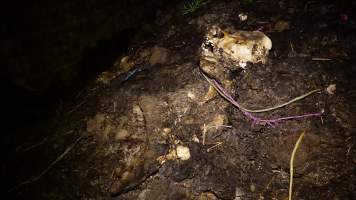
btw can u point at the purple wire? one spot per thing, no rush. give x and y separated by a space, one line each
256 120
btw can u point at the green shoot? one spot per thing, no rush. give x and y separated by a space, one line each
193 6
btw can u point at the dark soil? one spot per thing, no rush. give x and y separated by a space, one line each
129 128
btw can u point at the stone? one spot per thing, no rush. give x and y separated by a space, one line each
95 124
126 63
242 17
121 134
159 55
207 196
183 152
331 89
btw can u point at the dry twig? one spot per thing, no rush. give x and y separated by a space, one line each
248 113
214 146
321 59
59 158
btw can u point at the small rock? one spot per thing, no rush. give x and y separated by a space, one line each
242 17
95 124
126 63
218 121
105 77
331 89
144 194
167 130
172 155
191 95
210 94
207 196
144 53
183 152
159 55
252 188
195 138
238 194
122 134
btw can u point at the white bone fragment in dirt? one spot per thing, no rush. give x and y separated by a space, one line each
240 46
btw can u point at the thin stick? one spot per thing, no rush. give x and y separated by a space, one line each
214 146
206 128
46 139
59 158
255 120
204 133
291 164
264 189
76 107
227 96
283 104
321 59
218 126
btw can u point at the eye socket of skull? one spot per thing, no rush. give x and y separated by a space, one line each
217 33
209 46
220 34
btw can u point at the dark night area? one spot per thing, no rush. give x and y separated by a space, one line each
183 99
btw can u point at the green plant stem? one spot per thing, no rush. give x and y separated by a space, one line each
283 104
291 171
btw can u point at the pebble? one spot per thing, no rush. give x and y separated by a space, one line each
183 152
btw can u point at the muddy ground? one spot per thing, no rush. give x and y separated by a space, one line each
134 131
